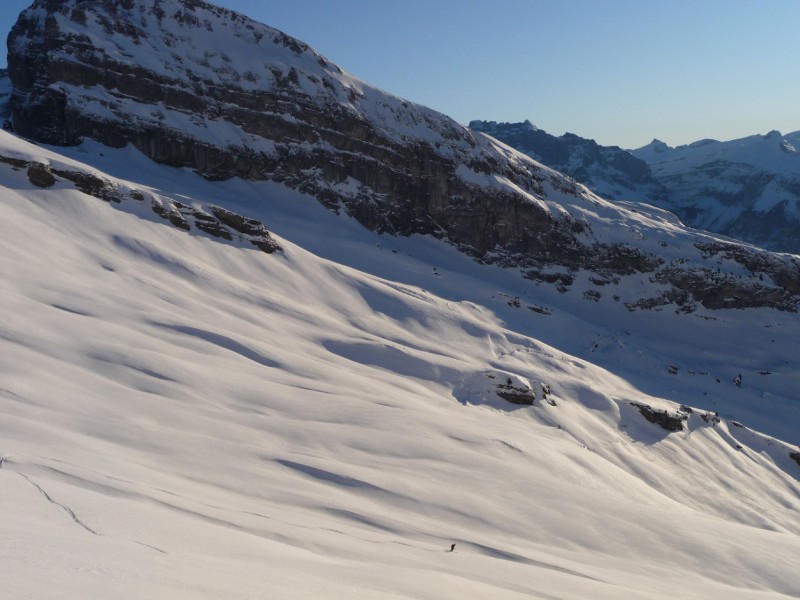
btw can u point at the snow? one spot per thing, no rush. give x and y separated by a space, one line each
721 182
95 102
188 418
771 152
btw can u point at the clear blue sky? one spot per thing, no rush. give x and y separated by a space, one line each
619 71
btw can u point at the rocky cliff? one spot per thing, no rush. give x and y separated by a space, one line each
194 85
265 106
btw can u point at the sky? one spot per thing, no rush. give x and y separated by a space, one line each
621 72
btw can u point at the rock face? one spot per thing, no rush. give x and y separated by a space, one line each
40 175
609 171
194 85
747 188
521 395
287 115
662 418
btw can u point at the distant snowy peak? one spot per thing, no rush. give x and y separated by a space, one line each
773 151
747 188
654 148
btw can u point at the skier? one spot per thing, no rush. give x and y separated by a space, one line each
452 547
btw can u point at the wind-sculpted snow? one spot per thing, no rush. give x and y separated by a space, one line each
439 342
184 416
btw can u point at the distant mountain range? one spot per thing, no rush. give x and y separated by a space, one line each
609 171
748 188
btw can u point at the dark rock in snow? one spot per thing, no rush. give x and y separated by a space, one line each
90 184
670 422
40 175
221 223
516 394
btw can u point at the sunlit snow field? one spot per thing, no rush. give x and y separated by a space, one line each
185 418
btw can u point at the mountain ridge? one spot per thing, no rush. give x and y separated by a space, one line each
300 120
747 188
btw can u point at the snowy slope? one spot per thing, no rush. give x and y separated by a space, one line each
185 417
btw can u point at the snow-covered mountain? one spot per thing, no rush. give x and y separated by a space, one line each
609 171
747 188
216 386
265 106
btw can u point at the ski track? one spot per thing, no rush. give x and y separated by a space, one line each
153 548
64 507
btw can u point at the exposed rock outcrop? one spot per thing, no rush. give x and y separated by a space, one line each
213 220
662 418
40 175
516 394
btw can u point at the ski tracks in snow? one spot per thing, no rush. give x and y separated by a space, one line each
72 515
64 507
49 498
